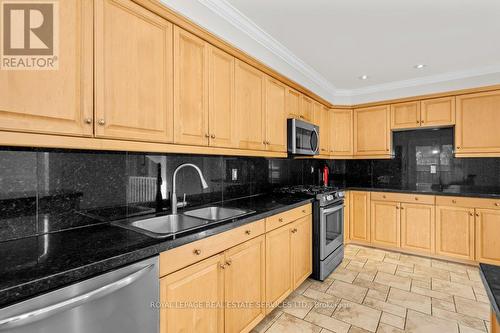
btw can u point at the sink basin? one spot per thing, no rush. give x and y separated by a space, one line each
163 226
215 213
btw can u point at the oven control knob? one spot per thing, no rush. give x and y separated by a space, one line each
330 197
340 194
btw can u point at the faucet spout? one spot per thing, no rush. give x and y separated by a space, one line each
174 188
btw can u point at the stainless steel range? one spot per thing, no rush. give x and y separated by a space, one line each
328 226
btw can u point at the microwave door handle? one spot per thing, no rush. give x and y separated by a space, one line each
25 318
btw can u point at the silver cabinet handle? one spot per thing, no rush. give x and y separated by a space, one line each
46 312
88 121
101 122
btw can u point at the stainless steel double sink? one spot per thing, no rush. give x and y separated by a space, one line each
169 225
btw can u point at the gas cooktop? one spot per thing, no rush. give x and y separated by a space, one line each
307 189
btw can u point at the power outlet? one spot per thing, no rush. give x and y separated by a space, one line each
433 168
234 175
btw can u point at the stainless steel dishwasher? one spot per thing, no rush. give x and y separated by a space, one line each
118 301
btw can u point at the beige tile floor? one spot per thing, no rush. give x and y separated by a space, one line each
386 292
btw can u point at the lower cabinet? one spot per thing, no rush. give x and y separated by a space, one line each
487 236
230 288
418 227
455 232
359 216
184 295
385 223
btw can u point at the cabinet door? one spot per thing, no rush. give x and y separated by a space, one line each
275 115
477 124
385 223
301 250
307 109
201 283
55 101
278 266
455 232
438 112
405 115
245 284
372 132
293 104
418 227
341 128
487 236
222 114
359 216
191 63
250 106
322 119
133 66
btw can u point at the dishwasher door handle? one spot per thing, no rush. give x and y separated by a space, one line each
48 311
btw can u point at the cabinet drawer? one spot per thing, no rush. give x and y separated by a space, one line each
468 202
188 254
281 219
403 197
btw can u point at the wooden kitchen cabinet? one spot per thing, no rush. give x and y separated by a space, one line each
133 73
201 283
385 223
341 133
293 104
275 115
418 227
476 132
359 217
250 106
278 266
455 232
372 132
191 62
301 233
244 285
307 109
55 101
405 115
322 119
221 103
437 112
487 236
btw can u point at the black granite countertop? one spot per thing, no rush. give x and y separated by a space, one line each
35 265
491 279
449 190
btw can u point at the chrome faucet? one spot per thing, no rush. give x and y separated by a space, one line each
174 192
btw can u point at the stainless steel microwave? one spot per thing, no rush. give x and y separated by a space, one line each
303 137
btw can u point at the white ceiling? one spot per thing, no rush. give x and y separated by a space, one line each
333 42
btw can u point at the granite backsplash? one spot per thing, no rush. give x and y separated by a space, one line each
44 191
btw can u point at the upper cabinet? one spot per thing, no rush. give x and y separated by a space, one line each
133 93
435 112
250 106
55 101
372 132
322 119
275 109
293 103
405 115
341 133
191 61
222 112
307 109
438 112
476 132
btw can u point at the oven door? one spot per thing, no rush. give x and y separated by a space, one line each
303 138
331 229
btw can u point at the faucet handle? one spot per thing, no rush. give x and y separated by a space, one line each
183 203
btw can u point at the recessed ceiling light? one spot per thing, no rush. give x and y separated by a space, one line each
363 77
420 66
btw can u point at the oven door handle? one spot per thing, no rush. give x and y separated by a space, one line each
331 210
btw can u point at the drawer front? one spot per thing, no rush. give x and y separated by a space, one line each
403 197
175 259
281 219
468 202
